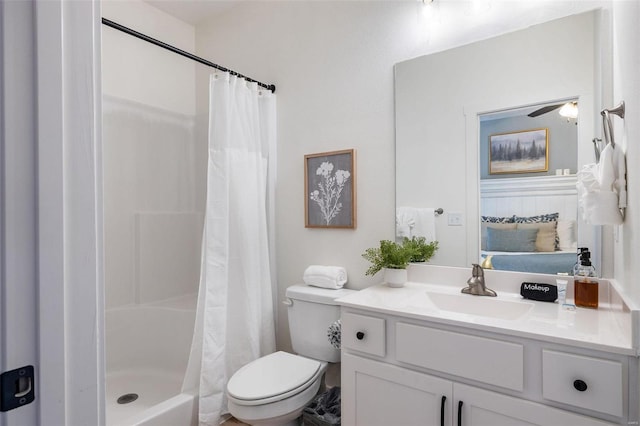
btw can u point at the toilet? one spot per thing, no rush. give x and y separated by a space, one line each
274 389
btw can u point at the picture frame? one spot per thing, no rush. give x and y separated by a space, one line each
525 151
330 189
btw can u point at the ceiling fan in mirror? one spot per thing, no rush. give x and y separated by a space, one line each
567 109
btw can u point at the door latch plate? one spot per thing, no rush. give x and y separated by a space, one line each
17 388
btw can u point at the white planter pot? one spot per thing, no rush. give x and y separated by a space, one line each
395 277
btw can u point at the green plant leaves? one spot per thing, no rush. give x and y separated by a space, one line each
397 256
422 251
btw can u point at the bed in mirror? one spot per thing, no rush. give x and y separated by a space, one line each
528 195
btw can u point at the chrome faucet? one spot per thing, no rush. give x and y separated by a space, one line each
475 284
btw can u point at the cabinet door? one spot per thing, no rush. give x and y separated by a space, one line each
379 394
485 408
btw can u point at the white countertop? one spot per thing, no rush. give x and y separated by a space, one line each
608 328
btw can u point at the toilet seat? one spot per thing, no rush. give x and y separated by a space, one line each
273 378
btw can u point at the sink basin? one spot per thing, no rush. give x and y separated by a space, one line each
480 305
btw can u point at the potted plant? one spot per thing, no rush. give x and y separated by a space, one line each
422 251
393 258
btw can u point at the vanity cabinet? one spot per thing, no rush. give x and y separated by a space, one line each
482 407
380 394
406 373
375 393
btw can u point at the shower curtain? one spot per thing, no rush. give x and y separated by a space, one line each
235 320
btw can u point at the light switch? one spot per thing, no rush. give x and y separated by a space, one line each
454 219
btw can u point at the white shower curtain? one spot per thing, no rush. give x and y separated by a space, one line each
235 320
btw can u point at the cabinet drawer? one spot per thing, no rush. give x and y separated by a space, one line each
363 333
591 383
487 360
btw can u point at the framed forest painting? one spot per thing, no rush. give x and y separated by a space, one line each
526 151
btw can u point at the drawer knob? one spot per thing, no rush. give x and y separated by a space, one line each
580 385
360 335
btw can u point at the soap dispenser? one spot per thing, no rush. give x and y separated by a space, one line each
585 283
576 266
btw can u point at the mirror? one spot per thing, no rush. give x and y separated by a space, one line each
448 102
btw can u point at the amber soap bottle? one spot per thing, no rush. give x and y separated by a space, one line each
585 283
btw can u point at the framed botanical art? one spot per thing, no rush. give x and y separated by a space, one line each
330 190
526 151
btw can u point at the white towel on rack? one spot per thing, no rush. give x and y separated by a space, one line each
333 277
588 178
606 172
612 173
423 219
425 224
602 188
405 221
601 208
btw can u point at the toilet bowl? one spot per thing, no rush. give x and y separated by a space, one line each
274 389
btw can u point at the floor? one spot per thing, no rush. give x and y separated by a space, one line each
233 422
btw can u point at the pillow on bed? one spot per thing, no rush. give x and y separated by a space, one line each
540 219
497 219
483 231
567 235
537 219
511 239
546 238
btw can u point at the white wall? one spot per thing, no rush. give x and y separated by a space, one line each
332 63
626 80
626 86
153 207
138 71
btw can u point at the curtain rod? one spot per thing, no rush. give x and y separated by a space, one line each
181 52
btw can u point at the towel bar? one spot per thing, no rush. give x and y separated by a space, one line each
607 127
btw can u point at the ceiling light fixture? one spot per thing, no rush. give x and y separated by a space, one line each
569 110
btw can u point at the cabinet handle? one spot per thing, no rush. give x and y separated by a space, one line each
459 413
360 335
444 398
580 385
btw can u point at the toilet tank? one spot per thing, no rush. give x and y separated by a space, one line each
311 311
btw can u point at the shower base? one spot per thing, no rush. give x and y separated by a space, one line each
152 387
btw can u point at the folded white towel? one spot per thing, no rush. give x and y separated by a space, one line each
334 277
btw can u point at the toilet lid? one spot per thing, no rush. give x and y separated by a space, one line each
272 375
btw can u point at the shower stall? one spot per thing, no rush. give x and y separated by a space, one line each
152 237
180 141
154 183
